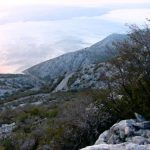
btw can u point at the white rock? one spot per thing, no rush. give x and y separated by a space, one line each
124 146
101 138
125 135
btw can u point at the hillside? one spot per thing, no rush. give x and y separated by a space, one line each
72 110
12 83
58 74
71 62
92 76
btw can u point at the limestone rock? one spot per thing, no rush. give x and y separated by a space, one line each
102 138
6 129
124 146
139 117
132 134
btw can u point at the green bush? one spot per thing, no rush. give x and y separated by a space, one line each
52 113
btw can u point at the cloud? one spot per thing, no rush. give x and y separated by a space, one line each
45 13
70 2
32 34
23 44
131 16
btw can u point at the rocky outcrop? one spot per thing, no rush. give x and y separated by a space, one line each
6 129
63 86
11 83
133 134
124 146
93 76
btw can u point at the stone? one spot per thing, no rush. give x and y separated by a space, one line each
128 131
124 146
113 139
125 135
147 133
143 125
139 117
6 129
138 140
102 138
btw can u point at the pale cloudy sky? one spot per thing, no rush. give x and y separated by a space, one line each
32 31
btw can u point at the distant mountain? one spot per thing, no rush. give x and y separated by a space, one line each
74 61
11 83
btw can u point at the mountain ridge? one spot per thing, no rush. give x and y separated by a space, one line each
70 62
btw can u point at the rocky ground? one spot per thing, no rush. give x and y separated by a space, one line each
133 134
12 83
6 129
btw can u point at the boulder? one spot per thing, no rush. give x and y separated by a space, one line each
132 134
124 146
102 138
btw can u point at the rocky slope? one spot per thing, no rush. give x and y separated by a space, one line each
77 70
92 76
74 61
133 134
11 83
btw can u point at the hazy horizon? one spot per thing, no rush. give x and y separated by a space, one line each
35 31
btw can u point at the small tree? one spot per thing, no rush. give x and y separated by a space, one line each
133 73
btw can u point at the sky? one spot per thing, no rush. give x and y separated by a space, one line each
32 31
